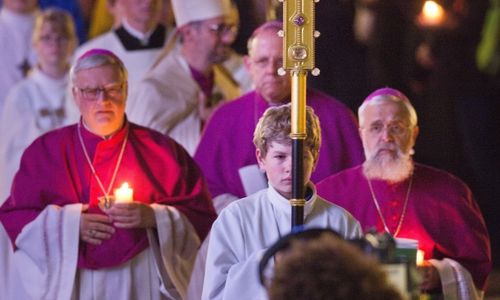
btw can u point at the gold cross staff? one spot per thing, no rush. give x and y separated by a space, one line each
298 58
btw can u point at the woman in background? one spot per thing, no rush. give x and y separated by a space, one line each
36 104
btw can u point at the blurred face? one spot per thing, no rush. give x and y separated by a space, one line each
387 138
21 6
100 94
386 130
53 47
140 11
212 38
277 163
263 61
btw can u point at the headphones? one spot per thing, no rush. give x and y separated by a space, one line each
285 242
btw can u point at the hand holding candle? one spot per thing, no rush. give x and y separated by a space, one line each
124 194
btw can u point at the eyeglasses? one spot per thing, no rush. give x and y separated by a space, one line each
54 38
222 29
396 129
114 91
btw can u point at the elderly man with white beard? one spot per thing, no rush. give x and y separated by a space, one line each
391 193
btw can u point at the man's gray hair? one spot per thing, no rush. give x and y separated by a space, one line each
96 58
385 95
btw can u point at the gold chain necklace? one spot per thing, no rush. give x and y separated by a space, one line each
120 156
403 213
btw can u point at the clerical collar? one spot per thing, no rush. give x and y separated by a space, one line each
104 137
206 83
143 37
132 39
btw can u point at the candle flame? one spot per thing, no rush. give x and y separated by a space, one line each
124 193
432 12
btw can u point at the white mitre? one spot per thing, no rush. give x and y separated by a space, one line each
186 11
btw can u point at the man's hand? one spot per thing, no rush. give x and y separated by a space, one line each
94 228
430 277
132 215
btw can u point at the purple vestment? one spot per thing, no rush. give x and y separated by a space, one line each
226 144
441 214
54 171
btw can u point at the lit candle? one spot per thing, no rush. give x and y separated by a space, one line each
420 257
124 193
432 14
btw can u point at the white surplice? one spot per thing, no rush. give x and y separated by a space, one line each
167 100
47 254
33 106
15 48
247 227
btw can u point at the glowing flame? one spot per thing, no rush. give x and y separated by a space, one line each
124 193
432 13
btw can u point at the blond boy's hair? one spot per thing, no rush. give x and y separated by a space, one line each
275 126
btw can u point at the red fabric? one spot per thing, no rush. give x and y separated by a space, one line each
54 171
441 214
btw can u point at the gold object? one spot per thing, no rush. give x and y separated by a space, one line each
297 202
298 58
106 202
299 34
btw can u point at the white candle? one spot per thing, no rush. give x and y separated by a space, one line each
420 257
124 193
432 13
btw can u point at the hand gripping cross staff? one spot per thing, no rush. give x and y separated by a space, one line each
298 58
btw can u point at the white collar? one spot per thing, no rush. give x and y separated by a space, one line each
143 37
283 204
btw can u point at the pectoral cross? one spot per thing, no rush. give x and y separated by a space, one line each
25 67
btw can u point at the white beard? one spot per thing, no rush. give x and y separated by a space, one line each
386 167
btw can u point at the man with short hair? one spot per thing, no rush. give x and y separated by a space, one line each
76 238
179 94
137 41
392 193
226 145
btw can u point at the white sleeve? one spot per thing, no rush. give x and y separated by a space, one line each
456 280
231 272
197 276
174 244
17 131
47 253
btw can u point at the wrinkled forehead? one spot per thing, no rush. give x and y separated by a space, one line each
390 105
385 111
102 75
